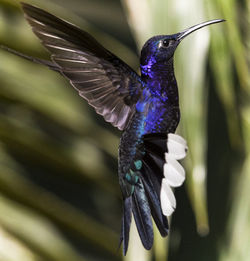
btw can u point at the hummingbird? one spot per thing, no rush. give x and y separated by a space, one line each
144 107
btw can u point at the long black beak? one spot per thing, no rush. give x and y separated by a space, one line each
190 30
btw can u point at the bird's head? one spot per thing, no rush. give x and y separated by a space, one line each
160 49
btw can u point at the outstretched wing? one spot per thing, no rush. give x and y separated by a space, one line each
105 81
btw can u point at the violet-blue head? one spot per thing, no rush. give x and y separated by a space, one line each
159 50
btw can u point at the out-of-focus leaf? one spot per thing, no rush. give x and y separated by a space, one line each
11 249
38 234
21 190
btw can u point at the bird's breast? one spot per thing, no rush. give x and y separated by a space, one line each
159 115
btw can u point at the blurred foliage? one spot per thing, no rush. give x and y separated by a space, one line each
59 192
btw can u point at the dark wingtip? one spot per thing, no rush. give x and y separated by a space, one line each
25 5
29 10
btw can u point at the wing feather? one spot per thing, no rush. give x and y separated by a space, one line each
105 81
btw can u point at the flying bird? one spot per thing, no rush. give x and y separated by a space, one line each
144 107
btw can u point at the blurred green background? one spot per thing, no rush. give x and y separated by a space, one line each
59 193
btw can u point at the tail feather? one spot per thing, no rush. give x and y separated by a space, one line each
152 194
126 222
142 216
155 204
153 171
163 151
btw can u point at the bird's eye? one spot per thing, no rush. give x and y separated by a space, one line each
165 42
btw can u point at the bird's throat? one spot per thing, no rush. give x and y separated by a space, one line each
160 80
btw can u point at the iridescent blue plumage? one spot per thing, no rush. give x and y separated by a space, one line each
157 111
145 108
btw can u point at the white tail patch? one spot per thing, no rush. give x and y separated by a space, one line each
168 202
177 146
174 173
